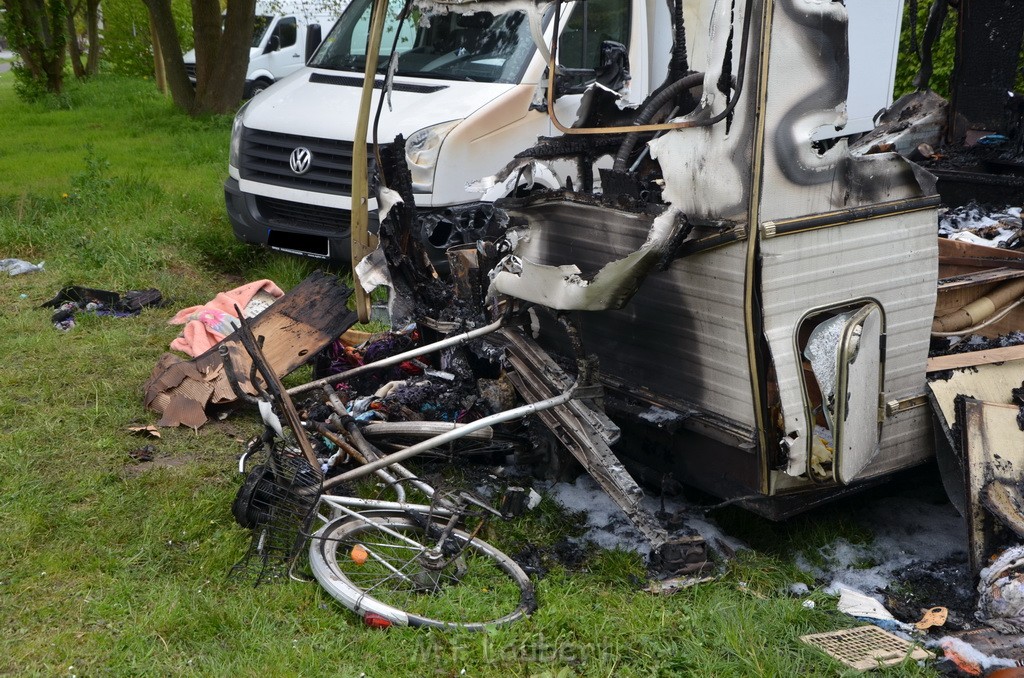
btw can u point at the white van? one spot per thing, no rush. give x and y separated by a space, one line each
284 36
461 99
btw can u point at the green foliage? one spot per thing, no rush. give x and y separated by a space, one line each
36 31
127 47
126 42
26 87
91 187
942 52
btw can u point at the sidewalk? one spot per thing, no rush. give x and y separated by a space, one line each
6 57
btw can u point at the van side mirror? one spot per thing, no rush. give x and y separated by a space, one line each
273 44
314 36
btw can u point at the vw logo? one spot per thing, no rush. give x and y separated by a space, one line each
301 160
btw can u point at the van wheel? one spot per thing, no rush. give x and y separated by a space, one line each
258 86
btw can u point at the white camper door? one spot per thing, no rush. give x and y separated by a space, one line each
859 385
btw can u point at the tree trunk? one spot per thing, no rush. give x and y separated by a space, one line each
159 73
37 31
74 52
162 22
222 57
92 28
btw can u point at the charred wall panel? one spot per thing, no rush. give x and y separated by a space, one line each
682 334
707 168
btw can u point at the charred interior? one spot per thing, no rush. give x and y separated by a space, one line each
978 154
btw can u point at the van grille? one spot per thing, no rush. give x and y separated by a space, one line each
328 220
190 70
264 158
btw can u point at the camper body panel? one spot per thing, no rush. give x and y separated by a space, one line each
682 335
828 226
834 269
716 339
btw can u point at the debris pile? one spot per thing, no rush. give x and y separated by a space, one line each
914 581
981 282
295 327
976 224
72 300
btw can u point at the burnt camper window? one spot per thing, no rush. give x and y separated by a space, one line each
593 22
843 367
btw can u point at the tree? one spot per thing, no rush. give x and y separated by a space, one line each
37 31
91 19
222 54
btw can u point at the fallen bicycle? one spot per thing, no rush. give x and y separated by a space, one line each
392 561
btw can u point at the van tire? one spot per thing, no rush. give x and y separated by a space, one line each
258 86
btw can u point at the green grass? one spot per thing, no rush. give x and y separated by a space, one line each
106 568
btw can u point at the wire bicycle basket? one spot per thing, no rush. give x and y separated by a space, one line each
277 502
278 499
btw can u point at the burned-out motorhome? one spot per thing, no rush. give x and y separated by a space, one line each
713 287
769 292
727 268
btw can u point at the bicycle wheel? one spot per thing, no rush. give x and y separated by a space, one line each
383 566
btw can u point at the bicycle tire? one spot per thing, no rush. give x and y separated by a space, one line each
494 590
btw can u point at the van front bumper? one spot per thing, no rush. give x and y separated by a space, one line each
325 232
286 226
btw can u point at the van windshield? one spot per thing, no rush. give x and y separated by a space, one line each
480 47
259 27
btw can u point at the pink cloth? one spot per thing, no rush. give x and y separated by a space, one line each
206 325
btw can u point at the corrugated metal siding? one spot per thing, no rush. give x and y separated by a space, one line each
682 334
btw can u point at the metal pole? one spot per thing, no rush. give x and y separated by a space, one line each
498 418
401 357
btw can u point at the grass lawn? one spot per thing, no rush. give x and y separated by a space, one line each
109 569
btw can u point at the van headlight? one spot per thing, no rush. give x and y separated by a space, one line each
421 149
236 136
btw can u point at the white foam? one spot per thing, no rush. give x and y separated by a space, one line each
609 528
905 531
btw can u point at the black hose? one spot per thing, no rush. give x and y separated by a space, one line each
679 60
649 110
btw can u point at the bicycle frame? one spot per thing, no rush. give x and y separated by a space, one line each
340 505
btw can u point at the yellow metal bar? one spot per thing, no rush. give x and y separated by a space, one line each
753 218
361 244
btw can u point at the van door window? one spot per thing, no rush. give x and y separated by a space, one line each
593 22
286 31
259 29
